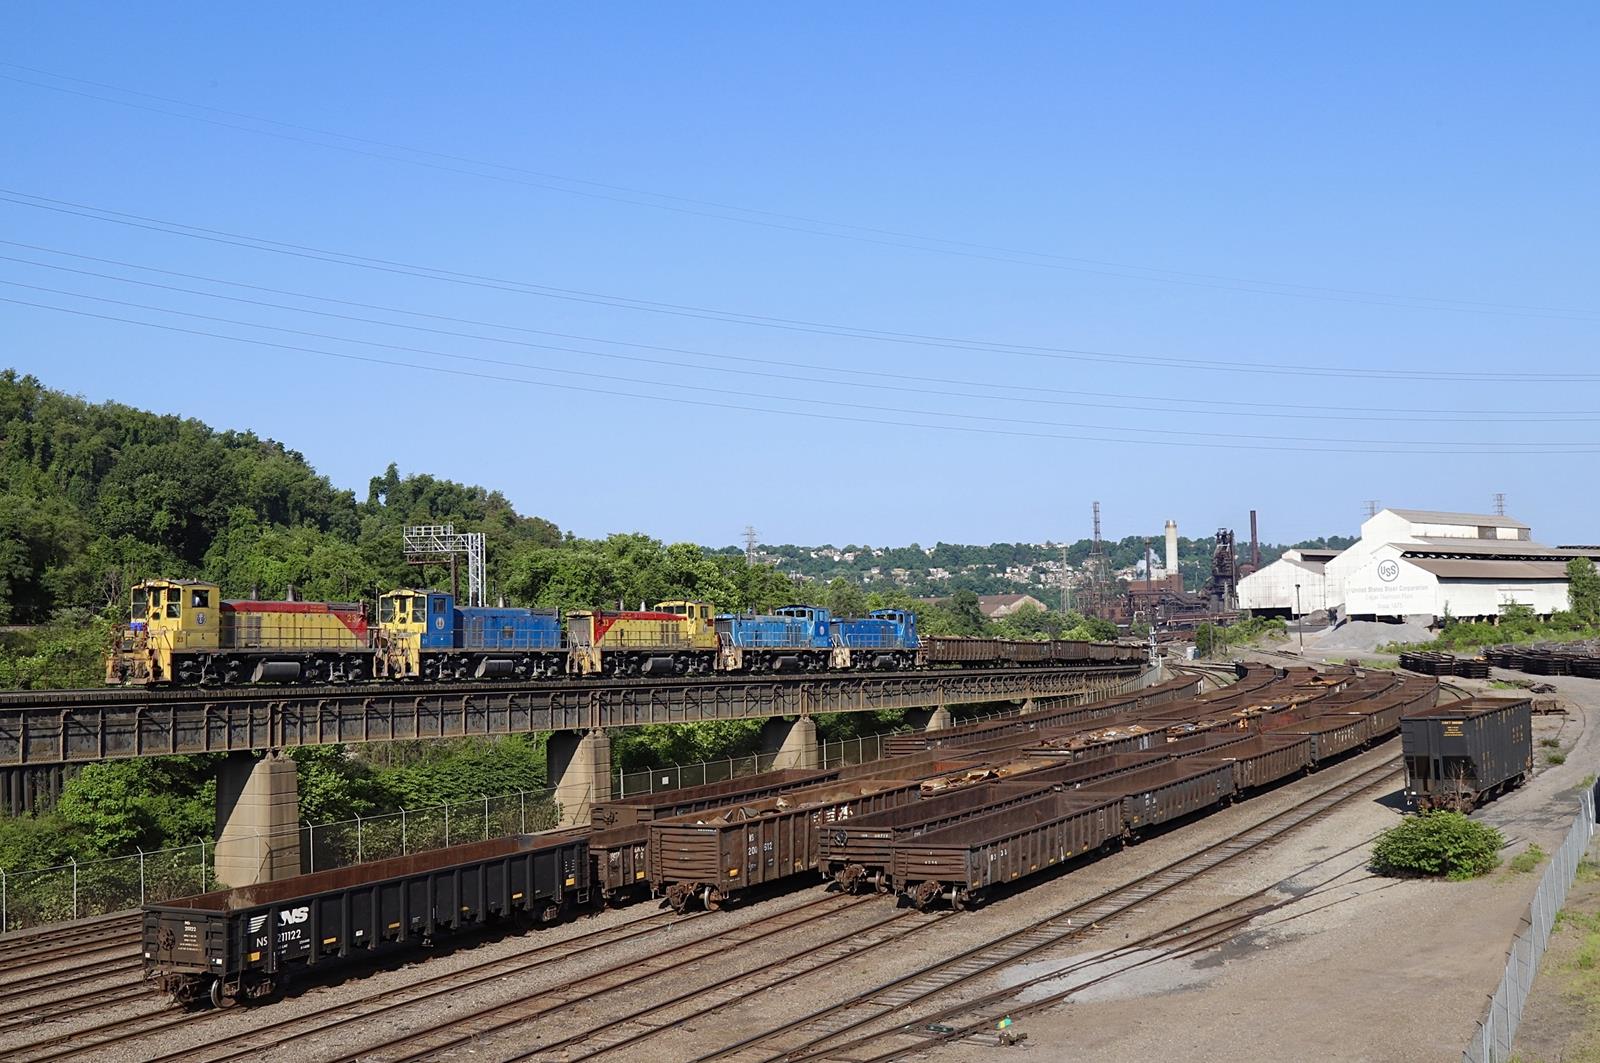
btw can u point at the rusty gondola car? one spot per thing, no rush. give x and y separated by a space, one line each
706 858
1458 756
245 943
960 862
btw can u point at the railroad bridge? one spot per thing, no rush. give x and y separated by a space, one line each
257 813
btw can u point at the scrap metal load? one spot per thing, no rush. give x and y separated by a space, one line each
947 825
181 633
1460 755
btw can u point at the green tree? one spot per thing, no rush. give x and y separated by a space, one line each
1583 591
845 598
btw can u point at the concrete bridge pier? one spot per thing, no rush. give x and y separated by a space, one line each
258 819
579 767
930 719
794 742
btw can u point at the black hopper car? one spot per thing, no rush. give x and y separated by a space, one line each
246 943
1463 754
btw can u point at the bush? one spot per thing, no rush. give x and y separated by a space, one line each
1555 758
1446 844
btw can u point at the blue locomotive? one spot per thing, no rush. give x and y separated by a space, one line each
425 635
884 638
810 638
794 638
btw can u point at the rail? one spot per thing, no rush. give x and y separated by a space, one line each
1498 1028
66 727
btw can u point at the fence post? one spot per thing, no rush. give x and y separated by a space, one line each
74 887
4 920
447 824
485 819
358 838
202 865
522 800
311 832
141 874
404 848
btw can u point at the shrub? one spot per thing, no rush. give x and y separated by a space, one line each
1555 758
1527 860
1550 743
1446 844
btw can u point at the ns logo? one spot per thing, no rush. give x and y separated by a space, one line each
293 916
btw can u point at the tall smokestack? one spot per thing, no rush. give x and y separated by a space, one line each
1255 544
1172 547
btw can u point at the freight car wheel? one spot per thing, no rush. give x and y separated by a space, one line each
219 996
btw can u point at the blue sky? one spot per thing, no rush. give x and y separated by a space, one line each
1182 259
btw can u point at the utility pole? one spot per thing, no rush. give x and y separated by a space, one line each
750 541
1299 619
1063 578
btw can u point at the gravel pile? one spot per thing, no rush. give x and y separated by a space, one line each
1364 636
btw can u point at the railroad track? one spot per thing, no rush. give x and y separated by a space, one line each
1208 930
816 1034
165 1022
473 1027
19 956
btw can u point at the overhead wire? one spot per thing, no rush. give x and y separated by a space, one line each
763 321
1276 411
791 222
1166 431
1374 447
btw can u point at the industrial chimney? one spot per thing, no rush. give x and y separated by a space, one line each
1172 548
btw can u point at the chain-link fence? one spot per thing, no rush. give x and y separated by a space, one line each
1492 1042
354 841
79 890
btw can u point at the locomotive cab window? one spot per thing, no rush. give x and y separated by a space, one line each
200 600
386 610
438 606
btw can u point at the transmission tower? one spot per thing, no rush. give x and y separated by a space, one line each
1499 503
750 541
1372 507
437 544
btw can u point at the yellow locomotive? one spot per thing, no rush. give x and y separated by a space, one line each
674 638
181 631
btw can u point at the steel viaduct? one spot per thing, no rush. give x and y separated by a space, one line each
257 813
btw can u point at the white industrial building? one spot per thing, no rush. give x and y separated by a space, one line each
1271 590
1420 565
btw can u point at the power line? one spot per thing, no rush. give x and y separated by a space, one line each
756 320
790 222
743 393
1377 447
1382 415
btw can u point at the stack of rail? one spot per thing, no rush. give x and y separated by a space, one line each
1582 659
1430 662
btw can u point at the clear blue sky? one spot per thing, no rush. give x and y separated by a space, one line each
1328 194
